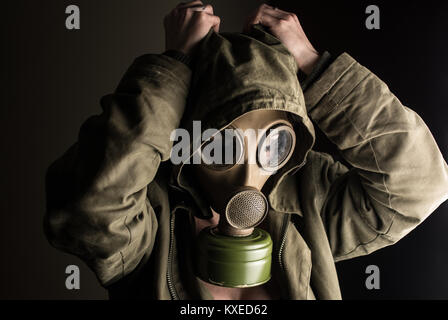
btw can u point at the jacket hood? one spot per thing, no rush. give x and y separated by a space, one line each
236 73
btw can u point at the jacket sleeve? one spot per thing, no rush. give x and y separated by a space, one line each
397 175
97 206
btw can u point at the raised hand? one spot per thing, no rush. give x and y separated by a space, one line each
286 27
187 24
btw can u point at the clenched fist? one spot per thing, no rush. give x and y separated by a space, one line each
286 27
187 24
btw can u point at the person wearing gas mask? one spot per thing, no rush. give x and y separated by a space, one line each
271 220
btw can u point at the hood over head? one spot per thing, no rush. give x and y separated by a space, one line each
236 73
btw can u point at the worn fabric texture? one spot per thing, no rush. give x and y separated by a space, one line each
116 201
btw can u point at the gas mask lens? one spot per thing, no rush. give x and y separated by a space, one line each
225 149
276 147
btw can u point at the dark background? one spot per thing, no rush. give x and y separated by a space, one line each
52 80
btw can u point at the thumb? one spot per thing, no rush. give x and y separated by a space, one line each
216 22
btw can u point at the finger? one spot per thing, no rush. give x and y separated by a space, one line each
290 16
296 19
188 3
216 22
211 20
265 19
254 16
183 5
207 8
249 22
260 14
275 12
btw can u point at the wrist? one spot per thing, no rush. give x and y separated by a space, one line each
307 61
179 56
184 49
179 45
181 49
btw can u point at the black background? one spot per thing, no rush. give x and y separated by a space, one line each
52 79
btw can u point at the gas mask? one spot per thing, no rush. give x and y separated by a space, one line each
236 163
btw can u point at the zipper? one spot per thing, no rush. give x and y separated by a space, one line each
282 243
169 278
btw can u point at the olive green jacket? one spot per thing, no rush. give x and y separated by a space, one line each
115 200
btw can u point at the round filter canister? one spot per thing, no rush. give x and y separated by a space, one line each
235 262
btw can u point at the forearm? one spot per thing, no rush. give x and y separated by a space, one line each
120 150
96 193
318 68
399 165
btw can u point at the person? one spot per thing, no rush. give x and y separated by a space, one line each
116 201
